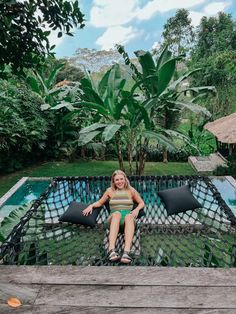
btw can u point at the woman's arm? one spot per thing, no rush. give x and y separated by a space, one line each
88 210
137 198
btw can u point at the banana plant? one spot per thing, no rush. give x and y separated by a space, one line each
108 101
44 85
165 95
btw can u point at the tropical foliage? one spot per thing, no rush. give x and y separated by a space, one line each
25 28
23 126
132 109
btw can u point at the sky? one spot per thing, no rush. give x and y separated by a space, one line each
136 24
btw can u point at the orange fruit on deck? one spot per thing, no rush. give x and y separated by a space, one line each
14 302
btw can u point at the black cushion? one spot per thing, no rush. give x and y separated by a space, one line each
178 200
74 214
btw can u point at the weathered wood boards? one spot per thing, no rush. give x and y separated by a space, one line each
72 289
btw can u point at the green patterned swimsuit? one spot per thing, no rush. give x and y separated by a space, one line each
122 203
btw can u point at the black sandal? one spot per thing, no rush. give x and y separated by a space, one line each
126 258
113 256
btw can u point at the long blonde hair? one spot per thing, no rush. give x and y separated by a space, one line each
120 172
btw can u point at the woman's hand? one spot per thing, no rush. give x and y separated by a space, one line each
88 210
135 212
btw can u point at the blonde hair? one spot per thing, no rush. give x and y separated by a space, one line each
119 172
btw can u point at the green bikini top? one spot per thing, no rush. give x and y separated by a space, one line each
121 200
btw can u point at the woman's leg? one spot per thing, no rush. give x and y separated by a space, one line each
129 231
114 222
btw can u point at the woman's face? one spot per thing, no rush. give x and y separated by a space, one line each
119 181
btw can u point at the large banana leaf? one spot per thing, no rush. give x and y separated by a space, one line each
102 86
110 131
150 82
160 138
91 80
90 105
201 89
182 137
52 77
149 71
176 83
93 127
33 82
140 115
63 104
191 106
115 85
146 61
89 94
85 138
165 74
10 221
164 57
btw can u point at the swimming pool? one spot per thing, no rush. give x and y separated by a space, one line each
31 189
227 191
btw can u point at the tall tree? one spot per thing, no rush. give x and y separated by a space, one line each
95 60
215 53
178 33
215 34
26 25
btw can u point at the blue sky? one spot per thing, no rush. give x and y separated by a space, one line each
136 24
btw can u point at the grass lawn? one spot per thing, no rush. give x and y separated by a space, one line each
90 168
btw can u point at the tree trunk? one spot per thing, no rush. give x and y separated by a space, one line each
83 152
120 156
142 157
165 156
138 147
130 157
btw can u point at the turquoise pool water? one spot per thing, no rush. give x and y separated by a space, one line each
28 192
227 191
31 190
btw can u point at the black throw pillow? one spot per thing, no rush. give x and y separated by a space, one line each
178 200
74 215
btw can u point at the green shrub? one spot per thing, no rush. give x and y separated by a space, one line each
23 126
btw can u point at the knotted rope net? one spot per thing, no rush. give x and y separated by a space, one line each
204 237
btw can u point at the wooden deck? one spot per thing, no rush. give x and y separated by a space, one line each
73 289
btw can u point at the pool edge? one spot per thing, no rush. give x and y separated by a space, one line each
12 190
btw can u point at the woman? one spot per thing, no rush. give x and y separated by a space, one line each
121 197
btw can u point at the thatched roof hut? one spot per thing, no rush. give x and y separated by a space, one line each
224 129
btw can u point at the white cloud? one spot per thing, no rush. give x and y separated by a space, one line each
214 7
154 6
106 13
209 10
196 17
117 35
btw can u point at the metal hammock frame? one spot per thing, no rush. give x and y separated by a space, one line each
205 237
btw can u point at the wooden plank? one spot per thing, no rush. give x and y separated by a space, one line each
24 309
119 275
39 309
26 293
136 296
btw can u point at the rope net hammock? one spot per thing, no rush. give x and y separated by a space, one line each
203 237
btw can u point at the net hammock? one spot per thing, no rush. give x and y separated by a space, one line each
204 237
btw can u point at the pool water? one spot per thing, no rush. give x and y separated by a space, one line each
29 191
227 191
